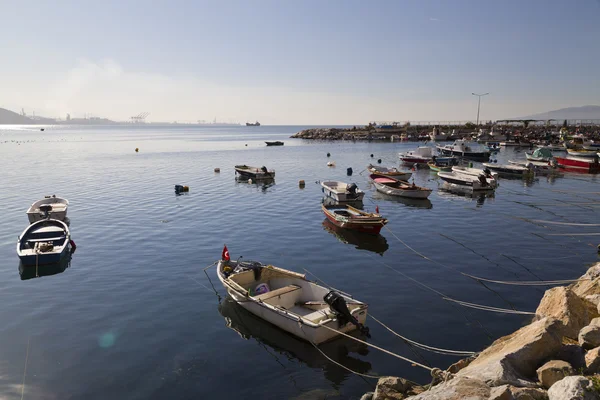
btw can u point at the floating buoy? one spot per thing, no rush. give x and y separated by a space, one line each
42 129
328 154
246 145
73 246
379 161
250 180
330 163
371 155
217 169
349 171
181 188
301 183
136 149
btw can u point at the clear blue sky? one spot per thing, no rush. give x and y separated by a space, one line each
299 61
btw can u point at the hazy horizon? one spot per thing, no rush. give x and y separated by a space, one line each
306 63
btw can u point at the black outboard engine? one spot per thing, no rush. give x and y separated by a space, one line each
264 169
483 181
45 210
487 172
339 307
352 188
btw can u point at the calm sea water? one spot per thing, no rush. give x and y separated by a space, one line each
135 317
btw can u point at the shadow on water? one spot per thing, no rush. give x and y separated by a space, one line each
30 272
328 201
466 192
361 241
417 203
248 326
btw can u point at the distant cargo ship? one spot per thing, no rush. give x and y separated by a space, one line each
253 124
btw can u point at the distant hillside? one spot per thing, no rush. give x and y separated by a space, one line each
9 117
584 112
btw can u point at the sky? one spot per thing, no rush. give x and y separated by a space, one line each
298 62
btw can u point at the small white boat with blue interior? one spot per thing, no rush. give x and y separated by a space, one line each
44 242
540 154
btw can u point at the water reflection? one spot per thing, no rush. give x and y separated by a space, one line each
248 326
264 183
465 192
417 203
30 272
362 241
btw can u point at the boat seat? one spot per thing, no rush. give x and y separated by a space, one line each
278 292
52 239
284 297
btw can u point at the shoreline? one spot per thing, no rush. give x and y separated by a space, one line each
556 355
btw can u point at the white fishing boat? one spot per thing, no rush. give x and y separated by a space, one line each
540 167
468 181
44 242
492 177
511 169
466 149
49 207
395 187
341 191
291 302
421 155
581 153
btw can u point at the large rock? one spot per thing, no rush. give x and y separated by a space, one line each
592 361
528 394
513 359
563 304
572 388
589 283
459 388
460 364
553 371
501 393
390 387
589 337
573 354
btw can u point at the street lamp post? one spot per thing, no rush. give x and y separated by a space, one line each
479 96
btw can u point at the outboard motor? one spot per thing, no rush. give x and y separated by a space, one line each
264 169
352 188
340 308
487 172
483 181
45 210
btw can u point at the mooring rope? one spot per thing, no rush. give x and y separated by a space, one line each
424 346
379 348
562 223
488 308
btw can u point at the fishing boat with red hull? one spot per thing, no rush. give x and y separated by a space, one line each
348 217
579 164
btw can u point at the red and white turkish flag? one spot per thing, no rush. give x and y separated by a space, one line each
225 254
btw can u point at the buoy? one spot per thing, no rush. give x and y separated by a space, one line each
349 171
246 145
136 149
379 161
371 155
301 183
250 180
217 169
181 188
328 155
330 163
470 165
42 129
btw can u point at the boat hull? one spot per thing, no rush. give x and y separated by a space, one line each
469 155
254 173
581 165
44 259
342 195
59 208
410 194
465 181
373 228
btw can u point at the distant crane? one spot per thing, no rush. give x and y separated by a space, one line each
140 118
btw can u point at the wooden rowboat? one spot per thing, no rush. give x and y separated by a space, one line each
348 217
393 171
395 187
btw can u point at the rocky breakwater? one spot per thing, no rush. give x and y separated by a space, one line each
339 134
555 357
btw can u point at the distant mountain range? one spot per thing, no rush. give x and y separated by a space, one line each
584 112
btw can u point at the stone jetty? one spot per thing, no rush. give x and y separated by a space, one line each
555 357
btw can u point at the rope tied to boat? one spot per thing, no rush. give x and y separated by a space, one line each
461 353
